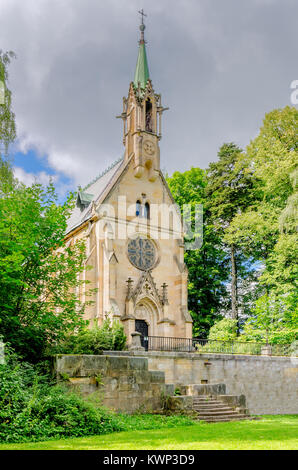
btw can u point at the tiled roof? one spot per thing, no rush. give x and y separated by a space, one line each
91 192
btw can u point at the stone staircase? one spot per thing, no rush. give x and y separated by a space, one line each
211 409
209 403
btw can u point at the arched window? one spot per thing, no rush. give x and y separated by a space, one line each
147 211
148 115
138 208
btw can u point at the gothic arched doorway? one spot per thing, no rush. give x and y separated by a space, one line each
146 317
142 327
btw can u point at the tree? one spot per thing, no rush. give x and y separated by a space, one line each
229 191
274 319
39 275
207 266
267 229
224 330
288 216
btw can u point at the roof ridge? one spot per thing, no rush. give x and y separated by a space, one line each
103 173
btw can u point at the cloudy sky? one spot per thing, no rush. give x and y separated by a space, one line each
219 64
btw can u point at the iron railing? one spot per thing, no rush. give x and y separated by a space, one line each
159 343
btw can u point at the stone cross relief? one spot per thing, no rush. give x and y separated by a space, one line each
147 288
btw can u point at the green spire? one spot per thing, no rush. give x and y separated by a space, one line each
142 70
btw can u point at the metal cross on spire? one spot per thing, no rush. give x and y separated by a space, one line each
142 14
142 27
142 71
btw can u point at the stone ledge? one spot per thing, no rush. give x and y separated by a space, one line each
181 404
204 389
234 400
198 356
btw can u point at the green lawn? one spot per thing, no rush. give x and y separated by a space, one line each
270 432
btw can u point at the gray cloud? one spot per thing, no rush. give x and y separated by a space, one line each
219 64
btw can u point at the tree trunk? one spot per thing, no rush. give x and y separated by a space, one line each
234 293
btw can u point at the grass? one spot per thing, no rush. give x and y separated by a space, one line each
159 432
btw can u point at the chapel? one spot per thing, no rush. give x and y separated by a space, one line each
132 227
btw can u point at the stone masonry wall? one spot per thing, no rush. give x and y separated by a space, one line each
270 384
123 383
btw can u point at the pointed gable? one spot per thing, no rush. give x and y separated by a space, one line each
146 288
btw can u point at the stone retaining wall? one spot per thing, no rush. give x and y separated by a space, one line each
122 383
270 384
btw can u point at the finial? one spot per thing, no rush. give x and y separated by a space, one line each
164 296
142 26
129 287
142 71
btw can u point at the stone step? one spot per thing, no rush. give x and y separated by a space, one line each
205 400
199 409
204 406
212 410
227 415
217 405
204 397
208 402
221 413
225 419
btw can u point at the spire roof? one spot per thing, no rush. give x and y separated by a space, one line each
142 69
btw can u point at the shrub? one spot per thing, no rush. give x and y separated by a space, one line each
275 337
225 330
229 347
32 409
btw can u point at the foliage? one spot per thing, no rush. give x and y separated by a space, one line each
109 336
151 421
288 216
230 192
39 276
278 432
207 266
230 185
281 271
225 330
7 123
266 230
255 231
274 320
166 401
32 409
230 347
7 117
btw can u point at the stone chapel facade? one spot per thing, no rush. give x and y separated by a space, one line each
132 229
